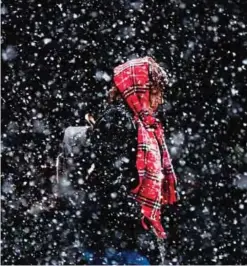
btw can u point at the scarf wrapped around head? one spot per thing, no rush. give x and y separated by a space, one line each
157 179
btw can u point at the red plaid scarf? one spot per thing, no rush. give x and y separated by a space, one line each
157 179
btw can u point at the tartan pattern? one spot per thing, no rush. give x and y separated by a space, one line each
157 179
134 78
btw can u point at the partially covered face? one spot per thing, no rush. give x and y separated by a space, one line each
155 98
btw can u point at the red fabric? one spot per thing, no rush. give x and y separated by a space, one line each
134 78
157 179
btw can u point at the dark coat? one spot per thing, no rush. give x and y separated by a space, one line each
113 218
110 218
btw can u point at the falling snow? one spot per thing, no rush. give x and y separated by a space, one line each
57 62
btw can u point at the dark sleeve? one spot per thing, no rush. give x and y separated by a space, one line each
113 147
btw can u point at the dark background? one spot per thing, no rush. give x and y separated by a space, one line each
57 61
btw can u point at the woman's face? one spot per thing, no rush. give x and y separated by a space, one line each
155 98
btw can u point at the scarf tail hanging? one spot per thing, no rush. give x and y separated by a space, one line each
155 188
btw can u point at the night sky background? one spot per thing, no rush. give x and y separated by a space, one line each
57 61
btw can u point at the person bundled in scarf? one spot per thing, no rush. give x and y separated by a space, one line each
133 175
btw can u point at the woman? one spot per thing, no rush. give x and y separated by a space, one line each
133 175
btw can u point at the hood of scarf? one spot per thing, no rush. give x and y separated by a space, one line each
134 79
